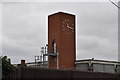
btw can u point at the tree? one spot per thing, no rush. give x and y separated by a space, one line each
7 67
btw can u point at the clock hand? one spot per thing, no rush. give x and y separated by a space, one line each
69 26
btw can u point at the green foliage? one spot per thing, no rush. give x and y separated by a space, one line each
7 67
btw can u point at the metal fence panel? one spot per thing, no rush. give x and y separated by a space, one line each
82 67
46 74
98 68
109 68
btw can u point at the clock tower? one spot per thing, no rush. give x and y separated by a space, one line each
61 41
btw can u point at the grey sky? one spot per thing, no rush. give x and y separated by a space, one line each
24 28
58 0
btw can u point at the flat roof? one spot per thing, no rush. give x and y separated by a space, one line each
97 61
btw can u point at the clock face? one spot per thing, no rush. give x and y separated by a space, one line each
68 26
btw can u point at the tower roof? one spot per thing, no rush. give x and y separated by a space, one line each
60 12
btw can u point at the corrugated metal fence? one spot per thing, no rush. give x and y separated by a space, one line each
48 74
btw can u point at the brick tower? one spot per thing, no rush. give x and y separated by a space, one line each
61 41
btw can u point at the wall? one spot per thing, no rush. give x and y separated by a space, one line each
66 44
47 74
97 67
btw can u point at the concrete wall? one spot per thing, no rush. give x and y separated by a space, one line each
108 68
82 67
97 67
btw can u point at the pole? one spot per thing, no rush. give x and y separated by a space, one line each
115 4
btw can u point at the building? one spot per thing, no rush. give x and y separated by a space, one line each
98 66
22 64
62 48
61 41
32 64
87 65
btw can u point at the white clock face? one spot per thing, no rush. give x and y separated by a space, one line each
68 26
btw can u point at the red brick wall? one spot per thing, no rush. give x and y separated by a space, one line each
66 47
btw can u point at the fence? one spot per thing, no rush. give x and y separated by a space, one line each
52 74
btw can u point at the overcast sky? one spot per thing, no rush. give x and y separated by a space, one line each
24 28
